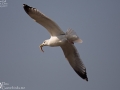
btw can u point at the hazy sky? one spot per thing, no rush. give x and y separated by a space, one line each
96 22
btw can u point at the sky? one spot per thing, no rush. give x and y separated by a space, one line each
96 22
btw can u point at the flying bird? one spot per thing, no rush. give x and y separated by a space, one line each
59 38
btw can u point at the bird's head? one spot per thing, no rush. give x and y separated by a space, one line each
45 43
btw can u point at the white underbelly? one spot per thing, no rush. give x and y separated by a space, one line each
57 40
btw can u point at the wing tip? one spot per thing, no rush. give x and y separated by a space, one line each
27 8
86 79
82 75
25 5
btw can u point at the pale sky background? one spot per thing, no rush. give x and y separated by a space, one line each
96 22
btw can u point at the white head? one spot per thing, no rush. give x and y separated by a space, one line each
45 43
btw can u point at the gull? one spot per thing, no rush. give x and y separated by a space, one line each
59 38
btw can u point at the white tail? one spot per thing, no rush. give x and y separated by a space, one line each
72 36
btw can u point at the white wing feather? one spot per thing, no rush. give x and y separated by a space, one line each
46 22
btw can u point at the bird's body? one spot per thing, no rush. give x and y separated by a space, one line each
59 38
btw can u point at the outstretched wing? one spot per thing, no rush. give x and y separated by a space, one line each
72 56
46 22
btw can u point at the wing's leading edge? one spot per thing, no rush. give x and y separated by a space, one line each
46 22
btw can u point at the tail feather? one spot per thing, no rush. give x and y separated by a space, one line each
70 32
72 36
78 41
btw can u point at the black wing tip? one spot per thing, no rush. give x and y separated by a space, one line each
27 8
86 79
83 76
24 4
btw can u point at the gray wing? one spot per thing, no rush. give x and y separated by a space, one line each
72 56
46 22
